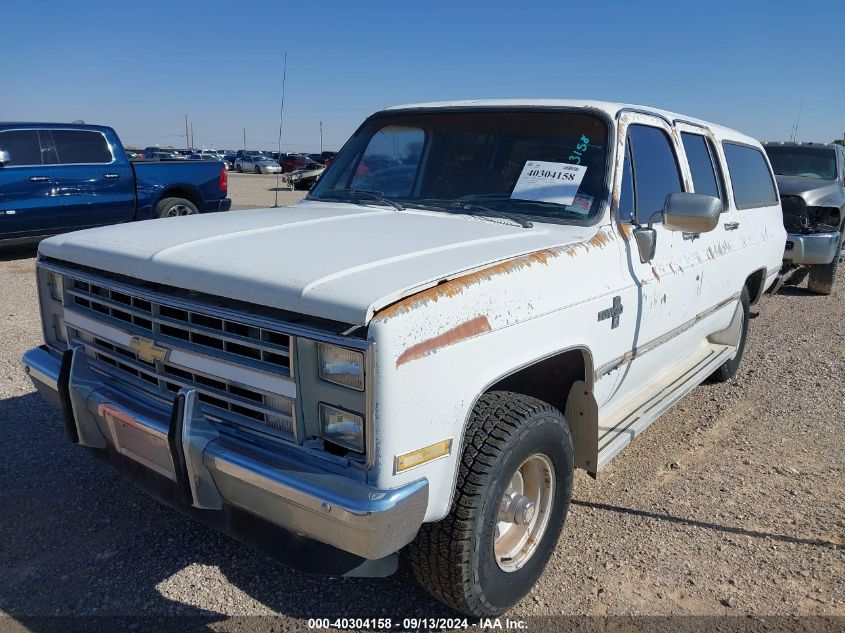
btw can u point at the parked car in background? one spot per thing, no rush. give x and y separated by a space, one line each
230 159
248 152
206 156
811 179
161 153
57 177
303 179
425 373
289 162
134 154
257 164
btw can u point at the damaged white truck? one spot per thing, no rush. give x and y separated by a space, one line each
811 179
475 299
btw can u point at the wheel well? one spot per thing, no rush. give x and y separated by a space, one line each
754 284
187 194
550 379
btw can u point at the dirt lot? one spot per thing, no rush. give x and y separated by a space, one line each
249 191
732 503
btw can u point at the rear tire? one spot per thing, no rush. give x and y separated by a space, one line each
239 169
473 560
173 207
822 277
729 367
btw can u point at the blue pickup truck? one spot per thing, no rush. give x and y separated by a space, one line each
56 178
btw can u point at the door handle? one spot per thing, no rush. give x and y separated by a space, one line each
731 226
691 236
39 178
111 175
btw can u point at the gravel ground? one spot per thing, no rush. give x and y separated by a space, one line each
733 503
259 190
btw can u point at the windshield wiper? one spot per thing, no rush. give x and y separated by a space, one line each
355 194
475 209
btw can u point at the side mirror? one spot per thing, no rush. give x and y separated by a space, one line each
4 157
691 212
688 212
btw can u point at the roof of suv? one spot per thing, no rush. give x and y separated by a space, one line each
611 108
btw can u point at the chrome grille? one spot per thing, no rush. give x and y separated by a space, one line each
173 324
190 329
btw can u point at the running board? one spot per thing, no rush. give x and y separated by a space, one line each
614 435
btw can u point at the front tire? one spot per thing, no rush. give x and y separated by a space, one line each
730 367
174 207
239 169
491 548
257 169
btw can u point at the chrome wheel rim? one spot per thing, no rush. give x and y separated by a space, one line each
524 512
179 209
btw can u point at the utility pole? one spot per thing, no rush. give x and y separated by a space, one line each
192 137
187 138
244 138
321 137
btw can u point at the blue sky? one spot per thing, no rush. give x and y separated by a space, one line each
141 66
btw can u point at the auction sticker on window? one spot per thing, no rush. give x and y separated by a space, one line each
549 182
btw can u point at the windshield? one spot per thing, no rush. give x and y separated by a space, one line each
809 162
541 164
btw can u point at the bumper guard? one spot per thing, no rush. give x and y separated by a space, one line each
210 469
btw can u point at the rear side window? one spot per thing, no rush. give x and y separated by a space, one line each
750 176
81 146
701 164
22 146
655 170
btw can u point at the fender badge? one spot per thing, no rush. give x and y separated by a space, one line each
612 312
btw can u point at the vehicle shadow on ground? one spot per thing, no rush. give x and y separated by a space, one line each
22 251
86 542
784 538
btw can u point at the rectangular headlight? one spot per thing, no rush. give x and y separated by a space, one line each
341 366
56 286
342 427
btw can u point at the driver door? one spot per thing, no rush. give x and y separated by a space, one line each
662 293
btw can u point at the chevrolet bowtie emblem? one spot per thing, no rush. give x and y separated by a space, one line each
147 350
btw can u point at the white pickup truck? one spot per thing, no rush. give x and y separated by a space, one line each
475 299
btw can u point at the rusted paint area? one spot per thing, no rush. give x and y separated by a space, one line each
655 273
619 162
468 329
625 230
599 240
454 287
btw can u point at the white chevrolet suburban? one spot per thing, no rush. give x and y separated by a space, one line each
475 299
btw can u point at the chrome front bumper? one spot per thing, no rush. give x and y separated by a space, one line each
812 249
211 468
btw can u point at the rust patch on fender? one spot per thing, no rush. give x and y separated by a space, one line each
599 240
456 286
654 272
468 329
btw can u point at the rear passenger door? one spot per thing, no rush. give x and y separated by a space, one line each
27 201
719 248
94 186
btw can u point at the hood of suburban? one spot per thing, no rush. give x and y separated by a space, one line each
336 261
